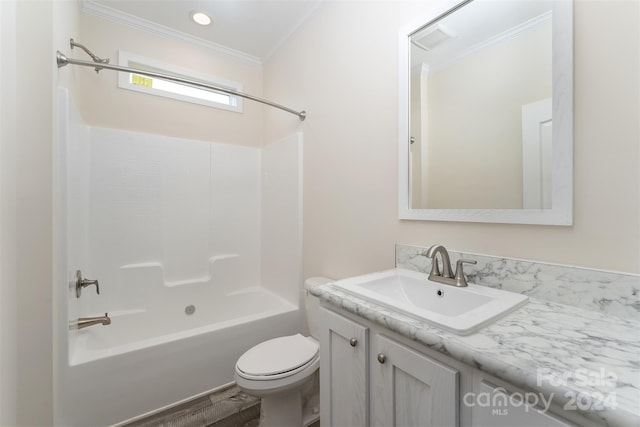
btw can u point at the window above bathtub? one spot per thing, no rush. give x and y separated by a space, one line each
173 90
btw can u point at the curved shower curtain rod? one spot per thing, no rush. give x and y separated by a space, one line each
99 64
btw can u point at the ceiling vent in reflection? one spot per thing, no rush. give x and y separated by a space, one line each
431 37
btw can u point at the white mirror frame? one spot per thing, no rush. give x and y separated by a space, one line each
561 212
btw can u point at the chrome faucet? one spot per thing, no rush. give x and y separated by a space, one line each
85 322
446 276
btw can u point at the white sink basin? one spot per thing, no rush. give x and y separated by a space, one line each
459 310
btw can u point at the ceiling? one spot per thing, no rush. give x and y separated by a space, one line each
253 27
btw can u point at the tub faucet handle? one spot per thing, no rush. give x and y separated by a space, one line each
83 283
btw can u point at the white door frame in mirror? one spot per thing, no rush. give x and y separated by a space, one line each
561 212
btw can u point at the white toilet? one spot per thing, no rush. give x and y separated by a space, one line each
283 372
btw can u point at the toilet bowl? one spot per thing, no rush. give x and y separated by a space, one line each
283 372
279 371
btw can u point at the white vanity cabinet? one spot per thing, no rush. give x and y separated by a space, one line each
373 380
409 388
370 376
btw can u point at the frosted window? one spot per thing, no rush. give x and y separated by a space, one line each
174 90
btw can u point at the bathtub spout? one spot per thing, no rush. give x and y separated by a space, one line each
85 322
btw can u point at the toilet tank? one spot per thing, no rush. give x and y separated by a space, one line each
312 305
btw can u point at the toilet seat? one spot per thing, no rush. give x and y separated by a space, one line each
278 358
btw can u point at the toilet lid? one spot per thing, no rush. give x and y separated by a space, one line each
278 355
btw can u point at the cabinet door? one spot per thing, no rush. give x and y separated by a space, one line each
411 389
344 385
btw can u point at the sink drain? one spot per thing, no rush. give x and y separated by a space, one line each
190 309
440 293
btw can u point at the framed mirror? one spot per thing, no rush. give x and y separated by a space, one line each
486 113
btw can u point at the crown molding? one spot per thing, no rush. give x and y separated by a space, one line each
293 30
91 7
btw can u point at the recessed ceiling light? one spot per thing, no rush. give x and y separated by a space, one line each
201 18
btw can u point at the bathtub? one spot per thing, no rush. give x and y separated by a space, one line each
199 258
182 314
156 356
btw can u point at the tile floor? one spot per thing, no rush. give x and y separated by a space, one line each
227 408
230 407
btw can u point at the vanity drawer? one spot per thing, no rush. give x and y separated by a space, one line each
496 405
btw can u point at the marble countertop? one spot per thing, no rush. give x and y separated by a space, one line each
584 360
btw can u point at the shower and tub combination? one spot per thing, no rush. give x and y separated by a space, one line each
195 248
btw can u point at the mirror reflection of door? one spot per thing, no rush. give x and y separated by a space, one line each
536 154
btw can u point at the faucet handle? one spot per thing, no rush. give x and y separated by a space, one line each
83 283
461 281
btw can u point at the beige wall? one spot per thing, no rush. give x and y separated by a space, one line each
103 104
34 117
342 68
8 238
33 160
28 148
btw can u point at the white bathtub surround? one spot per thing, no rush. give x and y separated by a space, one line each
160 209
282 217
175 231
531 348
610 293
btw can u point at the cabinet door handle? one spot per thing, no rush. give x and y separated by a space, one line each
382 358
353 342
